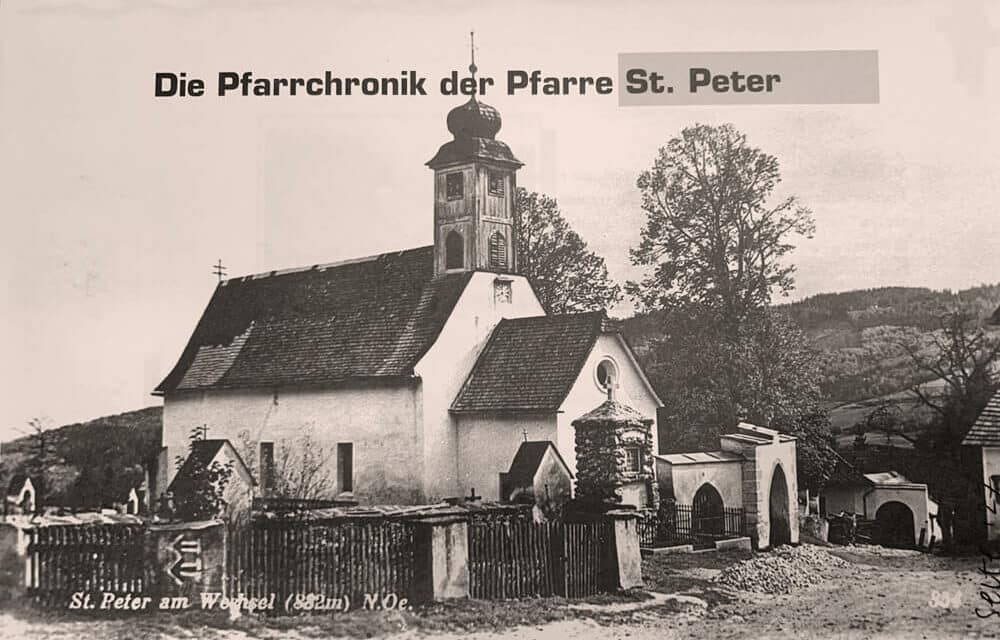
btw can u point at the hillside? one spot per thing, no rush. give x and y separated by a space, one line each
94 461
859 336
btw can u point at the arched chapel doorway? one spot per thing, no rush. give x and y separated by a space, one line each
778 509
707 515
893 525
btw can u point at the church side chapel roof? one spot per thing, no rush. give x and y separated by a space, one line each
530 364
985 432
203 452
527 460
363 319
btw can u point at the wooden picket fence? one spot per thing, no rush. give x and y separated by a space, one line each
350 558
518 558
66 559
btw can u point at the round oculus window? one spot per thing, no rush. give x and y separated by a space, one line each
606 374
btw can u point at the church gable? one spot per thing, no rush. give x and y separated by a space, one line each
370 318
530 364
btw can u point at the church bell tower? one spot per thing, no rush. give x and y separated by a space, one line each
474 193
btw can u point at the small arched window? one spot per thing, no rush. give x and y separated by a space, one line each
454 251
498 251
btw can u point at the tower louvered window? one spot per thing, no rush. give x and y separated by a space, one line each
454 250
498 251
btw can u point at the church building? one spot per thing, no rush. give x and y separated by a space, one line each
420 372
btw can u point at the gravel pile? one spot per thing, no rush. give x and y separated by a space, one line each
781 571
887 552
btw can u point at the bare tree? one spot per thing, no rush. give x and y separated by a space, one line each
964 357
302 465
302 468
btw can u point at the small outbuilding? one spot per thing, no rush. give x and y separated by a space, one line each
21 497
538 475
902 511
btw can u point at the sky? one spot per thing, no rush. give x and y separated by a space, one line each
115 203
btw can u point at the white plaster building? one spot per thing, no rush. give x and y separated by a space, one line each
901 510
423 370
985 435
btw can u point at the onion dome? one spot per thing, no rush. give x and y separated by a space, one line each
474 119
474 126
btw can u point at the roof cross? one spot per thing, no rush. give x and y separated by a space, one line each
472 67
219 269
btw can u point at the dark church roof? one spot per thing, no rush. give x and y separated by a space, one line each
372 318
985 432
530 364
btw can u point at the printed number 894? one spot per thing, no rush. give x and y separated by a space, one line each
945 599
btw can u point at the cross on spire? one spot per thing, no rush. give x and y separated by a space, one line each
218 269
524 432
472 50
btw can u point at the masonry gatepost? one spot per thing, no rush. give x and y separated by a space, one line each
187 559
623 561
441 562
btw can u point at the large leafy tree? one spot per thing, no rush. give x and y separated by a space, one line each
714 245
713 236
567 276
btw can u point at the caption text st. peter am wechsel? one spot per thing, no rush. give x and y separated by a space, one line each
213 600
409 83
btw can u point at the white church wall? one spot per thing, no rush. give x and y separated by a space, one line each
586 394
383 423
446 365
487 445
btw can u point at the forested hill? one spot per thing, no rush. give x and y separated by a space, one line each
859 333
898 306
91 462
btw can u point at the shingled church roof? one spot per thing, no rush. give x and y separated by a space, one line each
985 432
530 364
368 318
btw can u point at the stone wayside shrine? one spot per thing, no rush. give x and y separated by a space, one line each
615 464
